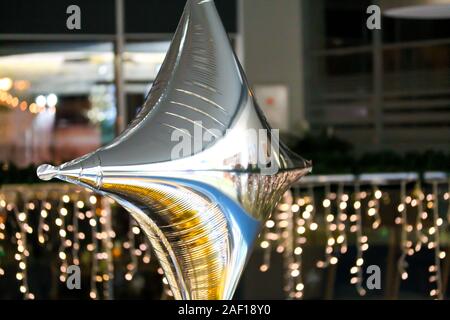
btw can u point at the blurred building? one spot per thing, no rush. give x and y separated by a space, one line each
314 65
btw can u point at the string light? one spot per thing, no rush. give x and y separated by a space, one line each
405 245
374 207
287 243
14 102
351 216
447 198
435 269
3 214
341 239
304 218
421 238
361 245
286 232
130 245
60 223
22 251
93 247
67 230
329 228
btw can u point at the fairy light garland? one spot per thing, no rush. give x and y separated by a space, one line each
435 269
402 220
93 247
286 232
77 206
287 227
302 211
341 239
22 250
3 214
43 228
329 227
374 207
421 216
166 292
446 197
361 244
130 245
310 210
266 245
346 212
14 102
60 222
64 211
101 247
105 237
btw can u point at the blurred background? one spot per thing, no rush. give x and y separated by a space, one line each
370 107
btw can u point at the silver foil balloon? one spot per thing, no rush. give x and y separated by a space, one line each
201 211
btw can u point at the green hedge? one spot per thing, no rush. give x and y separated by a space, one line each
331 155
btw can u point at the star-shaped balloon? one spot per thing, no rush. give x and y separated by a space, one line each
200 206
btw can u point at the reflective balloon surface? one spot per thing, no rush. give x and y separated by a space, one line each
201 210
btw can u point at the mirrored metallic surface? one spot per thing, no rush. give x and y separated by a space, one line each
202 211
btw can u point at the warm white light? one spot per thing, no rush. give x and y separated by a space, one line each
270 224
41 101
264 268
93 199
5 84
52 100
58 222
378 194
301 230
44 213
63 212
22 216
306 215
136 230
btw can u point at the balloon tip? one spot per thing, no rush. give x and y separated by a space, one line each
46 172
